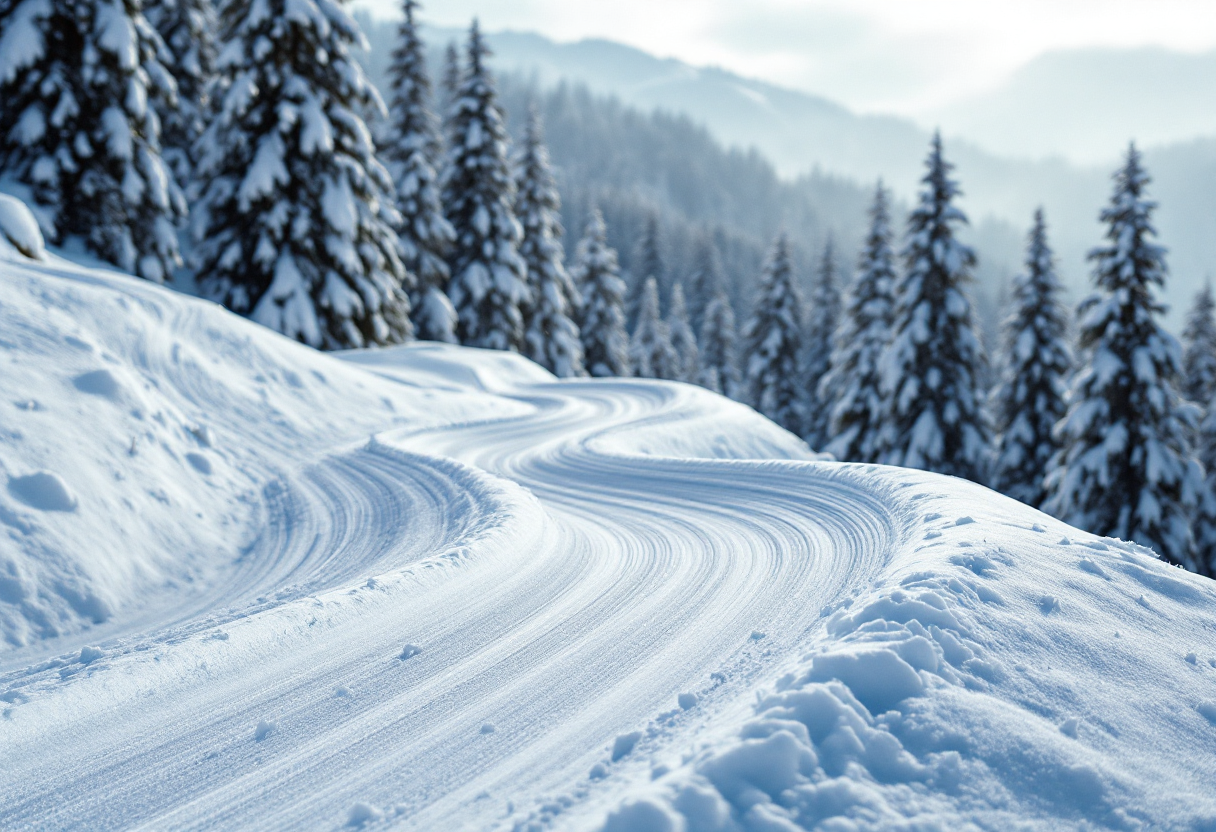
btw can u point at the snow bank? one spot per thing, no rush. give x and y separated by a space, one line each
141 429
1006 671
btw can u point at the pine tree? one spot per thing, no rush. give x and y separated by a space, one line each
1037 362
489 278
935 418
682 337
602 323
1204 523
296 220
551 336
651 350
719 363
78 79
187 28
853 384
706 281
450 85
824 315
1199 350
772 341
412 151
1125 467
647 263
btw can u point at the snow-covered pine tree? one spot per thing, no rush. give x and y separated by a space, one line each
188 29
935 417
772 341
853 384
602 324
1203 526
682 337
295 221
823 318
719 362
651 350
78 79
1199 350
413 150
1030 400
647 262
551 336
1126 466
706 280
489 279
449 89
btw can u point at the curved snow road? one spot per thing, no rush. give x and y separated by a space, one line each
546 629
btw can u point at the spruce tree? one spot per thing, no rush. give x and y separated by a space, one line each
1199 350
489 278
1037 362
935 418
772 341
450 85
647 263
651 351
1203 526
1125 467
551 335
78 128
719 362
602 324
682 337
853 385
824 315
188 29
295 226
706 281
413 151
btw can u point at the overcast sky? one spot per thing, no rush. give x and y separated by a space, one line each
904 56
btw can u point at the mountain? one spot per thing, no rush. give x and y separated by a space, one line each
1082 103
801 133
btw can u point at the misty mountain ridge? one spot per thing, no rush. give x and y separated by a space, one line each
801 133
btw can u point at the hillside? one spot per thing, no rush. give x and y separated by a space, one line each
247 585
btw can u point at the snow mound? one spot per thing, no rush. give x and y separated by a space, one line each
955 694
43 490
146 436
19 231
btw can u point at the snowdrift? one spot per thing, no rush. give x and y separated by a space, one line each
247 585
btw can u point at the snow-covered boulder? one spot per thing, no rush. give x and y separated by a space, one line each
19 232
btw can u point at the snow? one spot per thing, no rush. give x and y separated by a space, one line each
434 587
19 231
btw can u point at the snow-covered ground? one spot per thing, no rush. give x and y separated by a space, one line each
246 585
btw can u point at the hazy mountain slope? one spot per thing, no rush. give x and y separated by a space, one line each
1082 103
800 132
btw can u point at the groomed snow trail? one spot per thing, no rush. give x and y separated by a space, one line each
433 588
280 696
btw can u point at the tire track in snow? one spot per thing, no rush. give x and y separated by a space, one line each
647 575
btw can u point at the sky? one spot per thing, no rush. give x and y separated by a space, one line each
909 57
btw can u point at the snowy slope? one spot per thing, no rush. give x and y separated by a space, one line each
247 585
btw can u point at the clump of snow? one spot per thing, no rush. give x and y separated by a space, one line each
19 231
43 490
264 729
88 655
363 813
487 728
687 701
409 651
623 745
